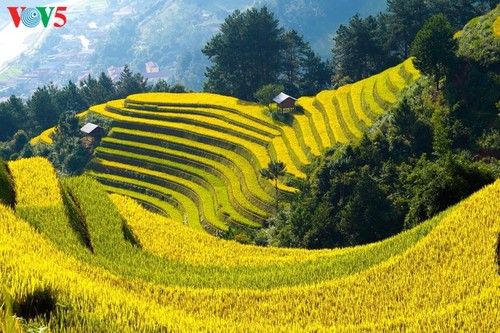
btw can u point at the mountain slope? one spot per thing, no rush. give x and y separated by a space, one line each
209 149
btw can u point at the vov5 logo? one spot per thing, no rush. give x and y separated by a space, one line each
31 17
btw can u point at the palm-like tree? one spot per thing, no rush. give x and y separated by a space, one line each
274 170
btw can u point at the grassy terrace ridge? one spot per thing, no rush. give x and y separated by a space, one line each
219 170
201 196
221 197
159 207
119 184
257 189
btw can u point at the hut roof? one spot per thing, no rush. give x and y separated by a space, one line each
89 128
282 97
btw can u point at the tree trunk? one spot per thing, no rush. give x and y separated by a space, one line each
277 193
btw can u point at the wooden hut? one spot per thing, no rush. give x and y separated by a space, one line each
93 131
285 102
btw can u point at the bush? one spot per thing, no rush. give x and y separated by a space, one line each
7 193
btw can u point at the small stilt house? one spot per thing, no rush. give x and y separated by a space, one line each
93 135
93 130
285 102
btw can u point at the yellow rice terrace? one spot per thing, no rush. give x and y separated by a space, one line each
197 157
85 261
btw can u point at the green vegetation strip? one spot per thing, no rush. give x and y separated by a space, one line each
186 161
121 257
189 175
248 175
130 187
176 212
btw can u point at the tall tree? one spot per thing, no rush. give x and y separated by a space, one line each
459 12
316 75
43 107
274 170
130 83
97 91
71 100
406 17
245 54
304 73
434 48
357 53
293 56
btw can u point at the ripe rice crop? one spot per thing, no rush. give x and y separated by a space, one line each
231 159
35 182
308 134
319 125
447 282
194 162
324 102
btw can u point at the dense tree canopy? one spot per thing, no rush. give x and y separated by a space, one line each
245 53
252 50
365 46
434 48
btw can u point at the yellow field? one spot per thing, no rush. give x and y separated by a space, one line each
496 27
447 281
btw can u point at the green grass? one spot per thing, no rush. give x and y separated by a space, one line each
192 162
249 179
176 211
188 208
219 197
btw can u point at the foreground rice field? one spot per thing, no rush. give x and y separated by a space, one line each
110 265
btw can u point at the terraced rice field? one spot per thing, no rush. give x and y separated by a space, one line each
109 265
201 153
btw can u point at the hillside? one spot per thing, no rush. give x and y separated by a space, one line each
197 156
90 262
170 33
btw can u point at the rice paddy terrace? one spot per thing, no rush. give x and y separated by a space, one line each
196 156
86 261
